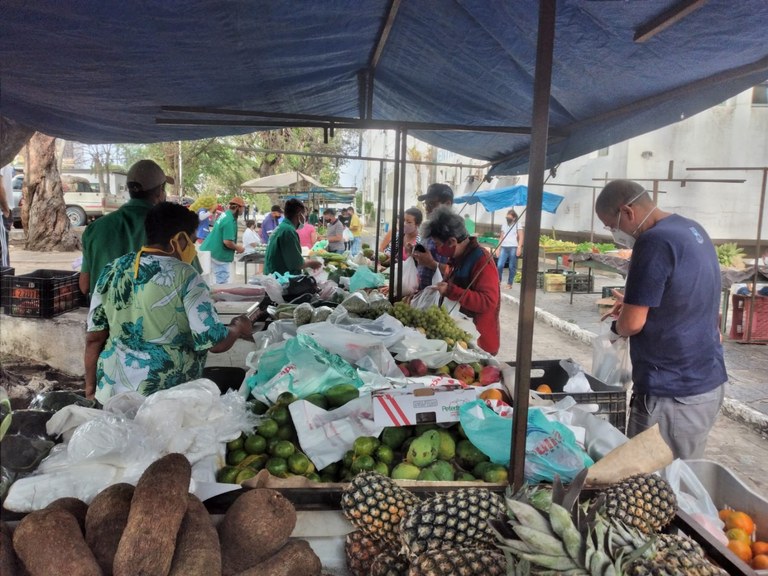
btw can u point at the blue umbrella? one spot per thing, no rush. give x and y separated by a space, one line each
501 198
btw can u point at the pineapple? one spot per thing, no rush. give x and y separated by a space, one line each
577 539
456 519
644 501
376 505
361 550
460 562
390 563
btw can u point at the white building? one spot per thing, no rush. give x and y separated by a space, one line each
732 134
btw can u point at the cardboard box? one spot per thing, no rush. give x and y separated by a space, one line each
554 282
604 305
421 405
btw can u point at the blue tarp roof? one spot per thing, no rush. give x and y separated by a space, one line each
501 198
98 71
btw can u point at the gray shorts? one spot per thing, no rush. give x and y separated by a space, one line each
684 421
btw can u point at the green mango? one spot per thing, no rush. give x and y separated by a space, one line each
395 436
468 455
442 470
424 449
318 400
480 470
419 429
465 477
340 394
496 474
427 475
405 471
447 448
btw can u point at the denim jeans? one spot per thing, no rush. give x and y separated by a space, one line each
507 253
356 244
220 271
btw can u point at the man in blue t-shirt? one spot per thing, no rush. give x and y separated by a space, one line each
669 311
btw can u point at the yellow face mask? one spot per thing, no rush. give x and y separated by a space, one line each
186 255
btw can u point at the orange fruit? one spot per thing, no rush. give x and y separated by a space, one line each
738 534
724 513
492 394
759 547
740 520
760 562
741 549
544 389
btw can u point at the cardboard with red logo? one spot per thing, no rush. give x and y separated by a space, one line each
406 407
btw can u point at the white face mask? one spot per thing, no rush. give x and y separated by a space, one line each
622 238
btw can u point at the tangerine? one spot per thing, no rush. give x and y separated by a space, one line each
492 394
740 520
741 549
724 513
759 547
738 534
760 562
544 389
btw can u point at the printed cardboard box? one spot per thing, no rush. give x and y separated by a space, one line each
421 405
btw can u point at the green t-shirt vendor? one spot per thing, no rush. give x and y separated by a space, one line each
284 251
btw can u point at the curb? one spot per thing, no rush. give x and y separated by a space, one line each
733 409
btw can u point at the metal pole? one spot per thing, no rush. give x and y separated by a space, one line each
537 165
753 297
395 188
378 216
400 216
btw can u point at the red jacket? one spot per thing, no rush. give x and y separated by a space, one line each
482 300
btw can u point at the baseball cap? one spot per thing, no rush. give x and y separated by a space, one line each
238 201
438 192
148 175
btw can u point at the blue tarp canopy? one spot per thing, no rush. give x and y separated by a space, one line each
501 198
98 71
324 195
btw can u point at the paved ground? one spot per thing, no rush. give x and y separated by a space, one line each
563 330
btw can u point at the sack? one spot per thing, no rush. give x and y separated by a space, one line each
410 277
550 447
298 286
347 235
364 277
610 358
300 366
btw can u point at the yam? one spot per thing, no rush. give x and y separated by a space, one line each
255 527
8 563
74 506
105 522
157 509
197 546
296 558
49 541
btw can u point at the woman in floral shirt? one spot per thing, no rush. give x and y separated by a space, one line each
152 321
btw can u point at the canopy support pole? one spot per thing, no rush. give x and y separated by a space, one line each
378 216
540 124
400 215
393 257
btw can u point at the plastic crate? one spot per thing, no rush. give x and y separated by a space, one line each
579 283
554 282
42 293
611 402
740 322
6 272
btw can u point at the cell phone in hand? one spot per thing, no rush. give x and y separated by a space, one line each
419 248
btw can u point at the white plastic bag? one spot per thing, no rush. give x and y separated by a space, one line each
410 277
426 298
610 358
692 497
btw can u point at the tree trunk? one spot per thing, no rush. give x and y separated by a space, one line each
13 136
44 213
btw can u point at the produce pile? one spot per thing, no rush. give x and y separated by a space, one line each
422 452
435 322
594 247
551 244
536 531
158 528
739 535
729 255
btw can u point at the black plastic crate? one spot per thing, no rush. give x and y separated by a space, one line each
42 293
579 283
611 401
6 272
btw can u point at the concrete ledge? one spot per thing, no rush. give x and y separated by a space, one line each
59 341
569 328
736 410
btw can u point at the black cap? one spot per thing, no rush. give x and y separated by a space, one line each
440 192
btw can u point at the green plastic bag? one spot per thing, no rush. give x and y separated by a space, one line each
550 447
364 277
301 367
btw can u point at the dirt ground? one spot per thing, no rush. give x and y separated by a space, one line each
23 379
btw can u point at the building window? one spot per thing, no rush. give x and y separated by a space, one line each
760 95
603 151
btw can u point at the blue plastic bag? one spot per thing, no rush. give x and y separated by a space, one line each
550 447
301 366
